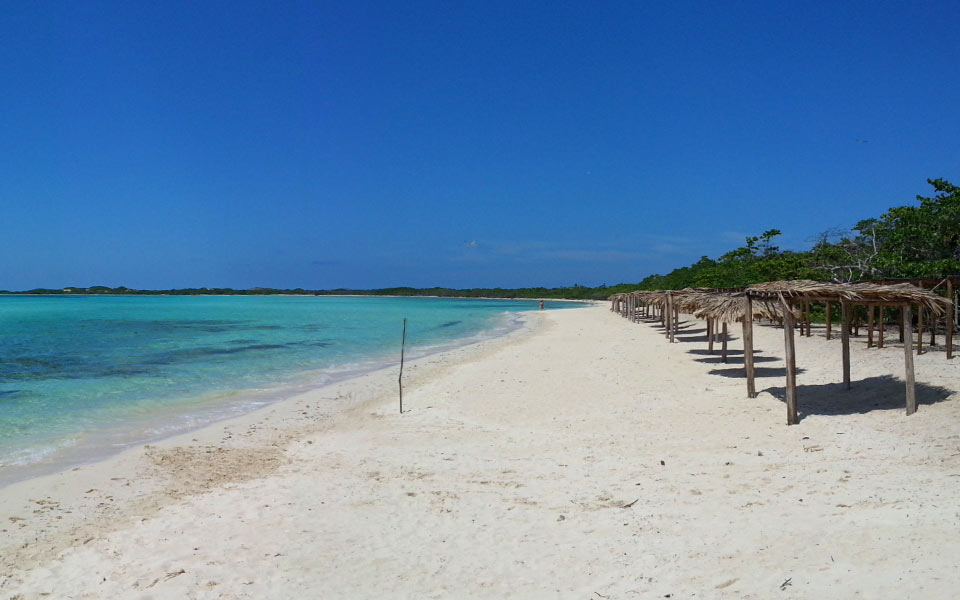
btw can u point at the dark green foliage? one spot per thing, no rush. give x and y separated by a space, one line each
905 242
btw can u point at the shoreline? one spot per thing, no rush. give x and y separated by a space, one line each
249 401
582 455
505 298
111 476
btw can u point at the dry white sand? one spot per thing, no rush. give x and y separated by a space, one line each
585 457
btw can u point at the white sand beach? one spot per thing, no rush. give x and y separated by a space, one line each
581 457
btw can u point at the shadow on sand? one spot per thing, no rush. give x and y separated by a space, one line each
758 372
735 360
885 392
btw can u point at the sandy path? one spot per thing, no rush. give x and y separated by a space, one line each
591 459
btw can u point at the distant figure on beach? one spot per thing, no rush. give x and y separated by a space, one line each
541 305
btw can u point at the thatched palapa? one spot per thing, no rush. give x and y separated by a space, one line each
847 294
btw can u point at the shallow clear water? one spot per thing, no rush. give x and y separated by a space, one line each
84 376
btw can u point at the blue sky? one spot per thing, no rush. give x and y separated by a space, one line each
461 144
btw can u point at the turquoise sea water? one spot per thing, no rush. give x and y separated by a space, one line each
85 376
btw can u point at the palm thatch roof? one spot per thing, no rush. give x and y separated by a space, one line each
730 307
858 293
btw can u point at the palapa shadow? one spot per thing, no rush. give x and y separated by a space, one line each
731 352
715 359
884 392
740 373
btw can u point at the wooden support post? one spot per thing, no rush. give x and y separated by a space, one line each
675 315
870 326
710 336
748 348
933 329
951 316
791 363
829 322
845 310
901 325
919 330
723 343
908 360
809 319
667 317
880 327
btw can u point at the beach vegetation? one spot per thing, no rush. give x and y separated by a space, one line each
912 241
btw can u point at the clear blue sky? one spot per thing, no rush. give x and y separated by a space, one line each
371 144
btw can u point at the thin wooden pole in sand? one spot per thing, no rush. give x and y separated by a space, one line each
748 348
870 326
710 336
791 362
951 316
403 343
845 311
908 360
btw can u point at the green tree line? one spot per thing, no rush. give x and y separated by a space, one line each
921 240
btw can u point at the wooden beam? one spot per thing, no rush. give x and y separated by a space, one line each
710 336
870 326
723 343
664 311
791 362
829 323
845 310
676 323
748 349
908 360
